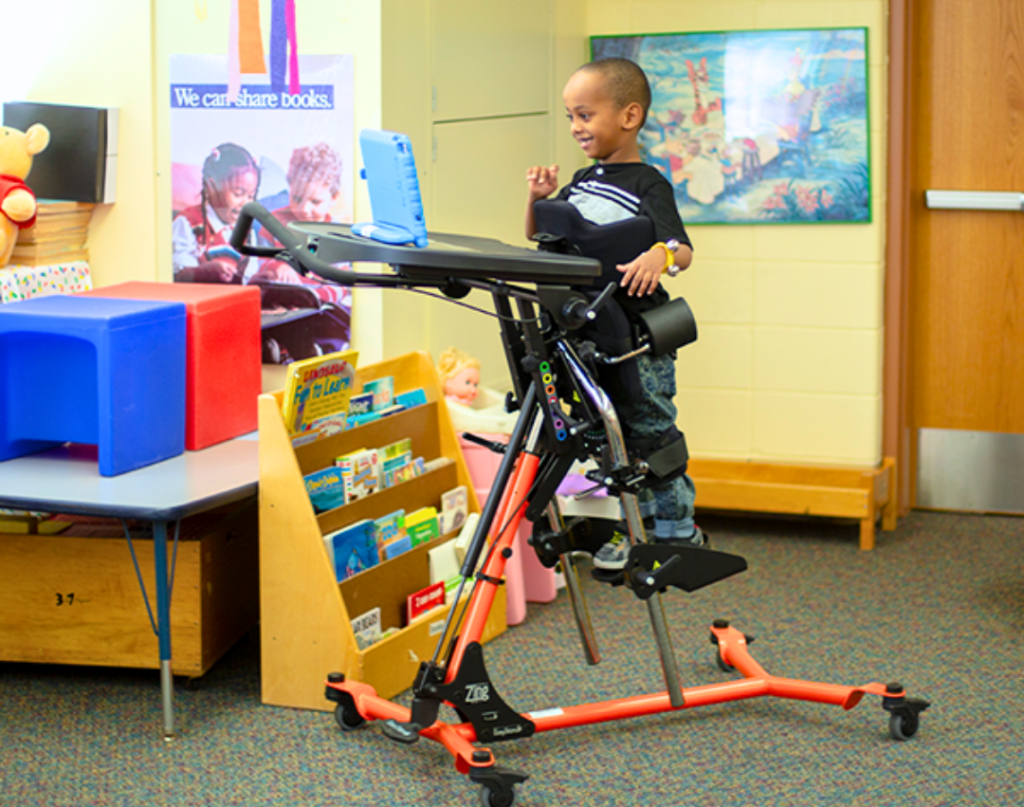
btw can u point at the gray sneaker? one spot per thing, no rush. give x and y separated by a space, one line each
699 538
612 556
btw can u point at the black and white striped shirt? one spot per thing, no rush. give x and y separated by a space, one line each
605 194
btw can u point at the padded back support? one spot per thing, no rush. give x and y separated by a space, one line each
612 244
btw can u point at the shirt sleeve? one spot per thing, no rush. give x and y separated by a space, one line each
563 194
186 247
659 205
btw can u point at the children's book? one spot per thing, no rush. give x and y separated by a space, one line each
332 424
414 397
399 546
359 420
318 388
437 462
421 525
353 548
443 563
345 463
360 404
361 472
389 528
419 602
465 536
383 390
398 447
390 466
326 489
367 628
454 509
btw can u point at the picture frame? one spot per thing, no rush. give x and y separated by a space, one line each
757 127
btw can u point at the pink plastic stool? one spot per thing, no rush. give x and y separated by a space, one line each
526 580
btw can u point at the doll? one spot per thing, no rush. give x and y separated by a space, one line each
460 376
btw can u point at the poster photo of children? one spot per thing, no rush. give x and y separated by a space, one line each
292 153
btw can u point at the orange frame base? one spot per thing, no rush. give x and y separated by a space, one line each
732 649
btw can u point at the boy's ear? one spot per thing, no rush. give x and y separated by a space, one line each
632 115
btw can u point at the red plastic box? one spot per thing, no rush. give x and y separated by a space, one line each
222 354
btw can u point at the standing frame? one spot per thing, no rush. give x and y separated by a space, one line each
757 126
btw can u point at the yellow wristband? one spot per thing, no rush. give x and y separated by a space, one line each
670 257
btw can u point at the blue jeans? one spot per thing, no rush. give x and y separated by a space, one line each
671 503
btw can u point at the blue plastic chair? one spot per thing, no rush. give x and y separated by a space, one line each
106 372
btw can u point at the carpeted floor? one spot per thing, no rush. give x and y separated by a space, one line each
939 606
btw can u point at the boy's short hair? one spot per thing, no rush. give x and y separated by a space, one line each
319 163
626 82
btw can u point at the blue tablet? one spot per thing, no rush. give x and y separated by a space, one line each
390 173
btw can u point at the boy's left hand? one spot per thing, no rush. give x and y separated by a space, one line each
642 275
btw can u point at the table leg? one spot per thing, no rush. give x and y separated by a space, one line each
163 622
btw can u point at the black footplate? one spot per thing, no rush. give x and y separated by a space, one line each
654 567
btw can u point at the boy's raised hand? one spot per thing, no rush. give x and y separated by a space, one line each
542 181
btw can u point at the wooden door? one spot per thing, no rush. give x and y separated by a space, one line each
966 267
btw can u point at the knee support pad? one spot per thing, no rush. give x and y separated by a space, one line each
666 454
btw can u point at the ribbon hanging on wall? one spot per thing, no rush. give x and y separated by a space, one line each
284 51
245 44
250 38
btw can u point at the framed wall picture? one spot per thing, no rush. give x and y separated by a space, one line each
757 126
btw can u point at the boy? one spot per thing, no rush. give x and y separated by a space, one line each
607 102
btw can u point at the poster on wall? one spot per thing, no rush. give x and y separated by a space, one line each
293 153
757 126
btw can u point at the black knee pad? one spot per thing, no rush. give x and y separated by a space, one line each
666 454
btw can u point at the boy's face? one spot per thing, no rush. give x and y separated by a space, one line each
311 201
230 196
605 131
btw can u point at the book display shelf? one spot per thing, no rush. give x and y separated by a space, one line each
305 614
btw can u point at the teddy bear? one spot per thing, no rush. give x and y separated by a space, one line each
17 202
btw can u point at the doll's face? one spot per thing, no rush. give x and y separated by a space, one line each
462 387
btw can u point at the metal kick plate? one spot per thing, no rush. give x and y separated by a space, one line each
970 470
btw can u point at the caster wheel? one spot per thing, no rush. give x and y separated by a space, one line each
489 798
347 717
903 727
722 665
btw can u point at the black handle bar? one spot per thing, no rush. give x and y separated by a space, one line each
571 309
295 252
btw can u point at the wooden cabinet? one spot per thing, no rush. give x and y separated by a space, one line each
305 614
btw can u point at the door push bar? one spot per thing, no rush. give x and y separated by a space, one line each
974 200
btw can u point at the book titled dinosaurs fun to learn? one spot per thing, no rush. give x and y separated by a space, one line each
317 391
